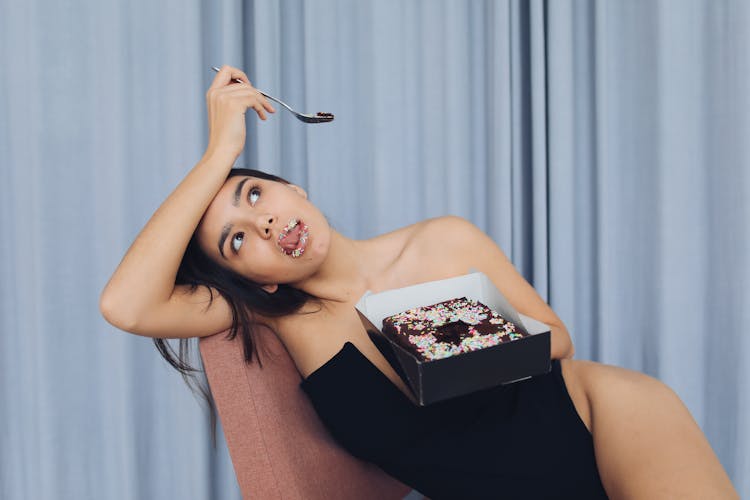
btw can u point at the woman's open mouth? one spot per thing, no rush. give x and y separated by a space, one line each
293 238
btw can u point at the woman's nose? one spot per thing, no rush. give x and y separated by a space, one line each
265 225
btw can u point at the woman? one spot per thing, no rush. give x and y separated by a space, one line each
584 429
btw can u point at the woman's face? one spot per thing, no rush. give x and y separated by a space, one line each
264 230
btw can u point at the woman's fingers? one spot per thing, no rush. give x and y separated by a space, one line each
255 102
262 106
252 96
226 75
267 105
240 75
222 78
226 85
263 100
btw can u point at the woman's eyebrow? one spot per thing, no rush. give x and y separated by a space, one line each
224 233
238 191
228 227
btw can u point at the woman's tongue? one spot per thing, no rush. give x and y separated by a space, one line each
291 240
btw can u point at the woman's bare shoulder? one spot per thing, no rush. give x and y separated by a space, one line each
445 236
446 227
456 241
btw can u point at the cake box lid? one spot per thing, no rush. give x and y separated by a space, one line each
475 285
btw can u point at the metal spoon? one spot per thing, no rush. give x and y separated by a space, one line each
305 117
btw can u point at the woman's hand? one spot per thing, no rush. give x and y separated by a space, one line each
227 102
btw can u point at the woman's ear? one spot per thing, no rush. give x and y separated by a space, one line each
270 288
299 190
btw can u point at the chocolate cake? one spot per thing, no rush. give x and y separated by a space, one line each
448 328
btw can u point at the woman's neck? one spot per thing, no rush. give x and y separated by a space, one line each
350 269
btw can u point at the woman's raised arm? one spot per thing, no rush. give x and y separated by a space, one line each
141 296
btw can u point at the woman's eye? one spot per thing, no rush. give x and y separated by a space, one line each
237 241
253 195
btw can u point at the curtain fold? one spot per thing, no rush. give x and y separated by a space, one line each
600 144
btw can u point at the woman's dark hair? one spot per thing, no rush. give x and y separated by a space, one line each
244 297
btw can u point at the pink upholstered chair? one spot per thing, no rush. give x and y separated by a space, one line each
278 446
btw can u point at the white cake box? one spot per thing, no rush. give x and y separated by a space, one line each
437 380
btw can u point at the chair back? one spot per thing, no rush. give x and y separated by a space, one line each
279 447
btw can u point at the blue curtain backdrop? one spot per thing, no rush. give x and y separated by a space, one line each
602 145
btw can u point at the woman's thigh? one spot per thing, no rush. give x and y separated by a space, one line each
586 380
647 444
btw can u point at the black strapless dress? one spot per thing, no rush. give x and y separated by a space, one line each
519 441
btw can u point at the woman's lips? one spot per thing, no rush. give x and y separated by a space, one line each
293 238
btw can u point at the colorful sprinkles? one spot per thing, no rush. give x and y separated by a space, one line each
448 328
301 245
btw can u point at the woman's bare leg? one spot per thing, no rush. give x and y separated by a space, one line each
647 444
